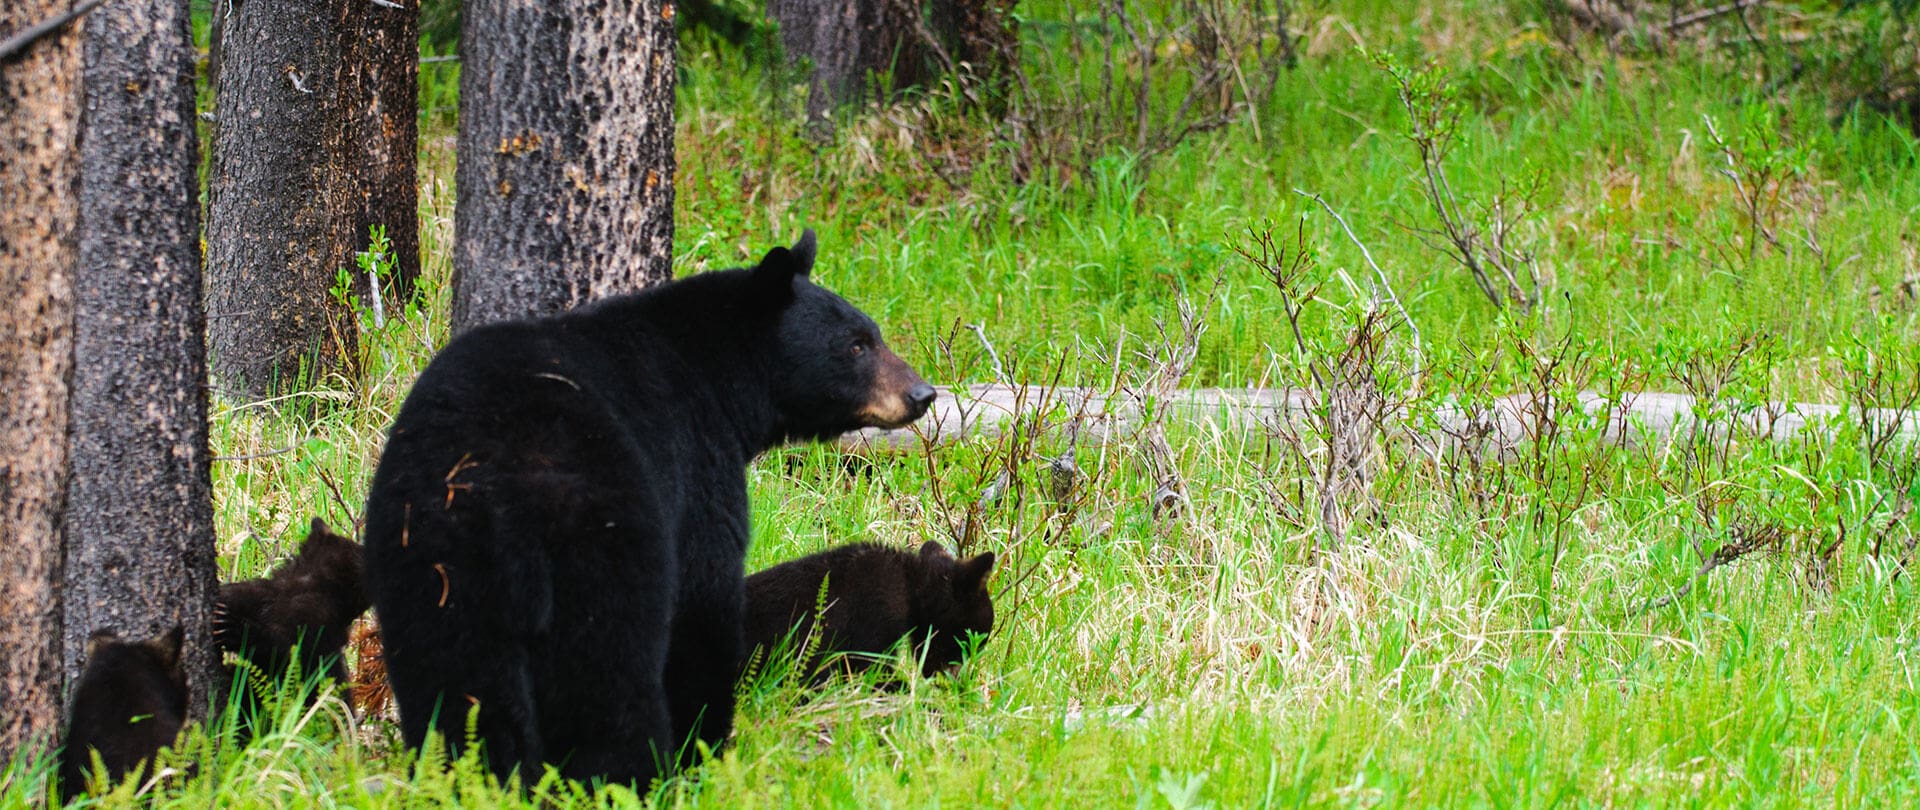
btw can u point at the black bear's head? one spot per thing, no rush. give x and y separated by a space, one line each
834 373
952 605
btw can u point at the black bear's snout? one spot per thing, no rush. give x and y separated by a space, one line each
897 396
919 399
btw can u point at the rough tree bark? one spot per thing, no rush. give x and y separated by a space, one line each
566 155
910 41
272 243
139 519
380 89
40 172
314 139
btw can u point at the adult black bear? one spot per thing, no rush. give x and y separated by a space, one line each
309 602
557 529
130 703
875 596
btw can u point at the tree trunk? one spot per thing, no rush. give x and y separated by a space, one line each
565 157
979 33
852 42
314 140
139 520
380 54
40 171
273 244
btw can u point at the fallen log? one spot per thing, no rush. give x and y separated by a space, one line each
1099 417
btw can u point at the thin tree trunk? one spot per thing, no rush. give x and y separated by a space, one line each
216 22
843 41
39 171
315 139
380 54
565 157
139 521
850 43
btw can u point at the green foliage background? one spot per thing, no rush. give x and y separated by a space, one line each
1483 639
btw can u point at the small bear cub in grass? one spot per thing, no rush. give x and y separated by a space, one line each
875 596
309 603
131 702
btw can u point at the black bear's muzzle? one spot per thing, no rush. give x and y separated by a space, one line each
898 396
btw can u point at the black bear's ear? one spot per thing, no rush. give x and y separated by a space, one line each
98 640
934 551
802 252
167 646
971 575
781 265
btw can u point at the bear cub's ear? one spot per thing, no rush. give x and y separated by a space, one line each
98 640
970 576
779 267
167 646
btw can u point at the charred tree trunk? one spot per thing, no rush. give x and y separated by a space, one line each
844 43
566 155
40 172
139 520
380 55
977 33
850 43
273 244
314 139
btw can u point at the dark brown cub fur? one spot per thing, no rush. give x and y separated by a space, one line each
131 702
309 602
875 596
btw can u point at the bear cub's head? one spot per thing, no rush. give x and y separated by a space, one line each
952 605
131 702
834 373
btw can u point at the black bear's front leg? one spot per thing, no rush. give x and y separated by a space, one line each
701 670
704 661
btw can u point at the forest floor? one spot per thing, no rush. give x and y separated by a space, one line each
1329 611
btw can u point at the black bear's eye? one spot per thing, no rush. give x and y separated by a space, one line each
859 348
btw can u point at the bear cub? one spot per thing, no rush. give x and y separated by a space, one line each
875 596
308 604
130 703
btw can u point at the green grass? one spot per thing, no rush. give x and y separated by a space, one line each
1481 642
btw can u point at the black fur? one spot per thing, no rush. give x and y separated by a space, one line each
308 603
876 595
130 703
557 528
